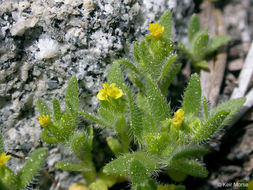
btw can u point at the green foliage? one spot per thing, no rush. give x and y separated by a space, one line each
140 119
166 21
31 167
200 44
70 166
121 165
192 96
139 177
71 96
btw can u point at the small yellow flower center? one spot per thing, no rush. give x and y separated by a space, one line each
109 91
178 118
44 120
156 30
78 186
4 158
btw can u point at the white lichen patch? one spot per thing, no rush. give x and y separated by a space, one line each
48 48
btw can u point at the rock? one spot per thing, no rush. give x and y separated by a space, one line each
235 65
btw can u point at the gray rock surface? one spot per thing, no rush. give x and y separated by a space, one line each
44 43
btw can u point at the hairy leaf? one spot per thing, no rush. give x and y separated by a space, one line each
166 21
217 42
82 146
31 167
95 119
158 106
71 96
192 96
210 127
231 106
129 65
189 152
185 51
136 116
139 177
43 109
194 27
190 167
205 107
57 109
115 75
121 165
199 46
168 73
48 139
70 166
136 80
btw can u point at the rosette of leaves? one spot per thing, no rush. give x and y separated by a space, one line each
200 45
11 181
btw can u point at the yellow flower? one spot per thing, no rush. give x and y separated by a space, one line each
156 30
4 158
44 120
78 186
178 118
109 91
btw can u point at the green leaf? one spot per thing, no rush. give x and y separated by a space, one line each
43 109
194 27
185 51
95 119
190 167
121 165
98 185
205 107
201 65
31 167
210 127
129 65
115 75
81 148
192 96
71 97
1 144
136 116
48 139
66 127
158 106
115 146
3 186
70 166
168 73
166 21
217 42
56 109
231 106
7 176
189 152
136 52
139 177
199 46
136 80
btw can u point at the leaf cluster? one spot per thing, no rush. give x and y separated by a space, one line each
200 45
10 181
143 117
